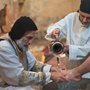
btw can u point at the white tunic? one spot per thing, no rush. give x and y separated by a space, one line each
17 88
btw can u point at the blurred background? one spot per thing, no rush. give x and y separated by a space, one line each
43 12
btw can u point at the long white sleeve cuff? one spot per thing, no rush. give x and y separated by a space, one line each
73 52
46 69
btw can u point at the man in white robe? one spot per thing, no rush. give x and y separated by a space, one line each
75 27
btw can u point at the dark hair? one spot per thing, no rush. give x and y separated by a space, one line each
85 6
21 26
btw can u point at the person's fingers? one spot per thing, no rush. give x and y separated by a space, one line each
55 33
62 77
72 76
54 69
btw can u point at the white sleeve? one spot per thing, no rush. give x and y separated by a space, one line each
46 69
10 66
77 52
63 25
59 25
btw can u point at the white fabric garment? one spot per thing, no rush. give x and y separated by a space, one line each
11 68
77 36
17 88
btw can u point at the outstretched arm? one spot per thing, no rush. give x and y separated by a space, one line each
76 73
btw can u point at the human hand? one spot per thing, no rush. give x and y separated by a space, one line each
66 49
60 66
73 74
55 33
58 76
54 69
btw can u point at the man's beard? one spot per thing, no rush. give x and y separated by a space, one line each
22 45
83 24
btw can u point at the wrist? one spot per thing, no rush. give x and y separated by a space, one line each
77 71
